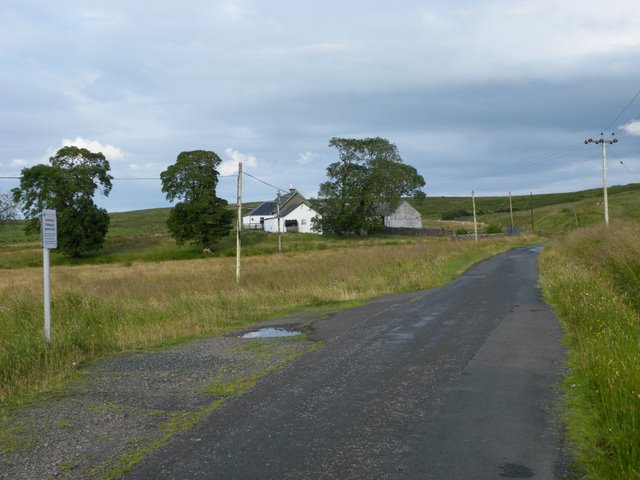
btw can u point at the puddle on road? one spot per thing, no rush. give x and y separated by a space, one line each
536 249
424 321
270 332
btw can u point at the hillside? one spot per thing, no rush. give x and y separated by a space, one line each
553 214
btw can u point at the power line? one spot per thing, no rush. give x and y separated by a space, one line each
266 183
506 167
123 178
622 111
627 168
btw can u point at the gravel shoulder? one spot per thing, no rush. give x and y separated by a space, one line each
125 406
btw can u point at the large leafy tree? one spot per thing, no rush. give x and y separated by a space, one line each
369 175
68 186
200 216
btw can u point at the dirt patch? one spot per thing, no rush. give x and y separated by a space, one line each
125 406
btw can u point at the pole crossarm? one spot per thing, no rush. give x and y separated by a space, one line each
602 140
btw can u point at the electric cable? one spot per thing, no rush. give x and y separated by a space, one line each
262 181
622 111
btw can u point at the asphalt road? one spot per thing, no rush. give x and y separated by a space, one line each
450 383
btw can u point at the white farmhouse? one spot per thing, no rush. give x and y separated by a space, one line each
293 215
297 218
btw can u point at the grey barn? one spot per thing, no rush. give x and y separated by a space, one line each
404 216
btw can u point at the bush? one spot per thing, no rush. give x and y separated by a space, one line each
455 214
493 229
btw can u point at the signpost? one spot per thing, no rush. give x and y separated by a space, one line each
49 234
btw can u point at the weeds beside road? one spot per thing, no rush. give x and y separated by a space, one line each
592 278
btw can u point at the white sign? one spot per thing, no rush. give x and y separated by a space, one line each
49 228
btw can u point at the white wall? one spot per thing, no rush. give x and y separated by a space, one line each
271 224
303 214
250 221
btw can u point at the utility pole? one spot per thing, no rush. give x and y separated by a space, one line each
475 220
511 214
239 223
279 233
603 141
531 205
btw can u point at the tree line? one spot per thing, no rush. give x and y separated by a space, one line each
369 176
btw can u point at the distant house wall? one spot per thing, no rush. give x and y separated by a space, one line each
405 216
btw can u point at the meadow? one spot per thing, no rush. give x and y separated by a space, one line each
592 279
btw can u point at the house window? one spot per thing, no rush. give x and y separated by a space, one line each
303 221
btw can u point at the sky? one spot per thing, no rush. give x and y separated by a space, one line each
494 96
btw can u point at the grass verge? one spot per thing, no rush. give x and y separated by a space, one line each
592 279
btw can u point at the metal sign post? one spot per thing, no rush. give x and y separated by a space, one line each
49 234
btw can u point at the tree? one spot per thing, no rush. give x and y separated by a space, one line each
8 209
369 175
200 217
68 186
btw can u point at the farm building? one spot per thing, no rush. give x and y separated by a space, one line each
297 218
254 220
295 215
404 216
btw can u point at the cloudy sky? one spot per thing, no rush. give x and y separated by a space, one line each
492 95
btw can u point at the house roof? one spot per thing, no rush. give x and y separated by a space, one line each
285 197
265 208
290 208
288 202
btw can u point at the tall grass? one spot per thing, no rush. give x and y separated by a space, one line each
99 309
592 279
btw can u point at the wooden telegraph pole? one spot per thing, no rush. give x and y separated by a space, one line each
531 205
603 141
279 232
511 214
239 223
475 220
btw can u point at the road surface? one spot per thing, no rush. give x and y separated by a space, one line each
450 383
